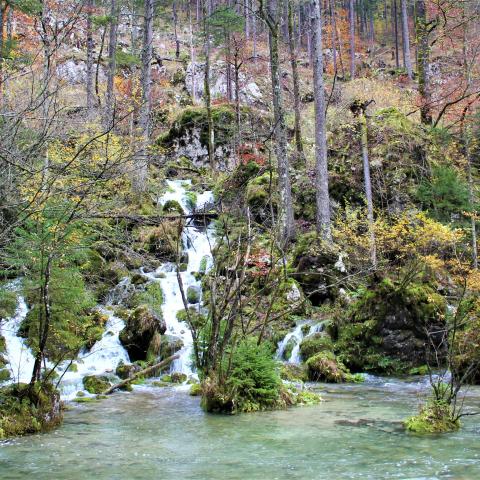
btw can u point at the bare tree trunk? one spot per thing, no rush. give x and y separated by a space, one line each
395 32
423 62
296 82
89 82
406 39
368 185
145 110
175 25
3 10
193 60
321 164
271 16
351 13
112 65
208 99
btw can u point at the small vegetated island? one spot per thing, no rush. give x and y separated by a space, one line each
264 205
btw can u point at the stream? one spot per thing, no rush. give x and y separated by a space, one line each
162 433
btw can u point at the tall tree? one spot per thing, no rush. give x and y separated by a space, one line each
271 15
321 162
423 62
206 84
89 80
351 16
296 82
406 39
145 110
112 64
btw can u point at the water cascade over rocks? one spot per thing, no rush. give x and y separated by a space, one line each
107 353
293 340
197 244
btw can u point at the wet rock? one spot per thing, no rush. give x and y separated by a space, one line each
125 371
96 384
142 326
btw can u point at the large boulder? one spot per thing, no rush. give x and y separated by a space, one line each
392 327
143 328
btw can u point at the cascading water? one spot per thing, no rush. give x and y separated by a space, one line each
197 245
294 338
18 354
108 352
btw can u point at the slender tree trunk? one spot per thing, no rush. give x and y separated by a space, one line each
296 82
97 70
175 26
423 62
208 99
192 58
406 39
271 16
368 186
89 82
395 32
145 110
112 65
321 163
351 12
3 10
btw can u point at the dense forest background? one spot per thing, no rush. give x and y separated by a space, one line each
340 139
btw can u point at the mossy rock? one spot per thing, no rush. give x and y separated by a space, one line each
316 343
96 384
25 410
124 371
434 417
178 377
142 327
324 367
172 207
8 305
193 295
384 330
162 241
170 345
195 390
294 373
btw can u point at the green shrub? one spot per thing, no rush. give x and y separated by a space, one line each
436 416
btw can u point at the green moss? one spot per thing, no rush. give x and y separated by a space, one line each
306 397
195 390
434 417
421 370
8 304
172 207
24 410
316 343
293 373
324 367
178 377
96 383
193 295
191 199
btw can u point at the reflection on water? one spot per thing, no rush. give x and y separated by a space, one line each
163 434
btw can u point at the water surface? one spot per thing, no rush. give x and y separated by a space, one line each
163 434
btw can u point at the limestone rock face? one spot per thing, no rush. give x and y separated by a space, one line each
250 93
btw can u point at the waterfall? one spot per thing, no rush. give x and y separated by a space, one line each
197 243
18 354
103 357
108 352
295 338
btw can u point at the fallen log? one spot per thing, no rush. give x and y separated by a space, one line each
145 371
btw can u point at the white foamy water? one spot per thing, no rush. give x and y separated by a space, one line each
19 356
296 337
103 357
197 243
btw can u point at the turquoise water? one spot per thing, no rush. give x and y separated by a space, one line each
163 434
